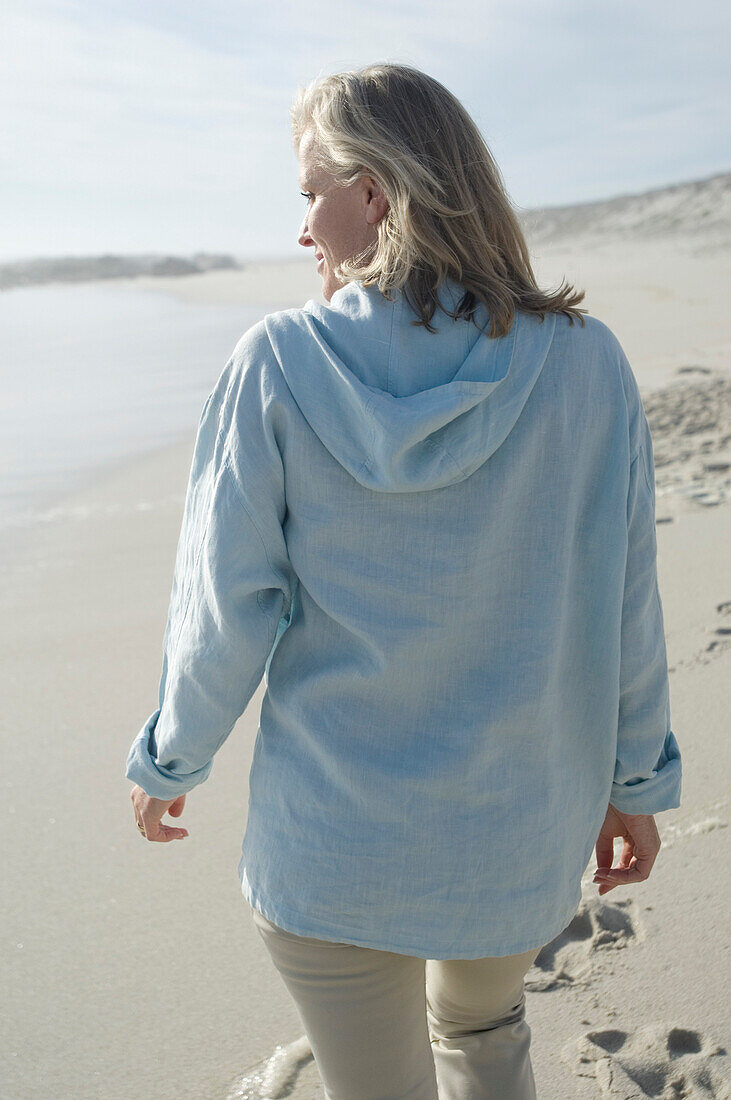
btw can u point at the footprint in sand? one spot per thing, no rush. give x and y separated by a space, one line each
570 958
661 1061
690 425
722 634
719 643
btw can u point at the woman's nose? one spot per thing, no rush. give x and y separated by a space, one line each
304 238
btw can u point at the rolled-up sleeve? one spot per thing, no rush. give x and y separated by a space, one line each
231 584
647 775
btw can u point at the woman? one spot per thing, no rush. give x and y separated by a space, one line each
426 512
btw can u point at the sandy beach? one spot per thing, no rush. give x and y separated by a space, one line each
134 969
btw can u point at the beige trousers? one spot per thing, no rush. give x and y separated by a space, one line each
384 1026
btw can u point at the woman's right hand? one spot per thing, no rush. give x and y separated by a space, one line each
149 812
639 850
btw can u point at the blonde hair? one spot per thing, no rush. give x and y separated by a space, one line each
448 211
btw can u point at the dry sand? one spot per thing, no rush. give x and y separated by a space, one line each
134 969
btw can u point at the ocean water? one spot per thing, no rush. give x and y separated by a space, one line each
92 373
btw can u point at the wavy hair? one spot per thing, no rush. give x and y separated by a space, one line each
448 215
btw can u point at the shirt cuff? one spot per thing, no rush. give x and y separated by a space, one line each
660 792
155 780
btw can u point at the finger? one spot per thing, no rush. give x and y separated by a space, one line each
601 874
647 854
645 850
637 871
628 851
176 809
604 851
603 883
169 832
157 832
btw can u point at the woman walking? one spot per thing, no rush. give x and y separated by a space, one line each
425 511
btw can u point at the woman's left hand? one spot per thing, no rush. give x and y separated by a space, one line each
149 811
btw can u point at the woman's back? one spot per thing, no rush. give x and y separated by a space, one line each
438 737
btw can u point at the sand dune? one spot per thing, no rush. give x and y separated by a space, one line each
698 208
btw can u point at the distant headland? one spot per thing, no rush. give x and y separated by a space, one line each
84 269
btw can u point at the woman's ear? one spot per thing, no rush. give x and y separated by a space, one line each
377 205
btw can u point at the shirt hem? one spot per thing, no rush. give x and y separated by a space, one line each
293 923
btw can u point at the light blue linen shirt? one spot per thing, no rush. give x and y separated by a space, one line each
439 549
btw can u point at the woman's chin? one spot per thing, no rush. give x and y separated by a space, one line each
329 286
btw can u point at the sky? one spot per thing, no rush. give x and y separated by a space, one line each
163 125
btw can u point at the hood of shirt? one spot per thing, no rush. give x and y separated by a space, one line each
400 408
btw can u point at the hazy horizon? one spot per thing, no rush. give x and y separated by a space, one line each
299 253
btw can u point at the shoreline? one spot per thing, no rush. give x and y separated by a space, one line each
45 493
664 346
